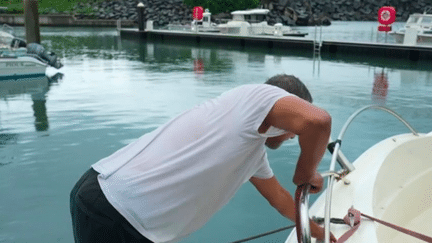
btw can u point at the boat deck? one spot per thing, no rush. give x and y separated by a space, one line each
413 53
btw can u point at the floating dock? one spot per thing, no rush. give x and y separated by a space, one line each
413 53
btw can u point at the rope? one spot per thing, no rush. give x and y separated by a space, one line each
353 219
264 234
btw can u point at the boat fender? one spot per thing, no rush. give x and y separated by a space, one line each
50 57
17 43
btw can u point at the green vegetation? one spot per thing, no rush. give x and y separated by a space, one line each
48 6
68 6
223 6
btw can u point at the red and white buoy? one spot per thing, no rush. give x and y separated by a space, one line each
386 17
198 13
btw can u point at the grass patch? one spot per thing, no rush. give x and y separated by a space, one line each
48 6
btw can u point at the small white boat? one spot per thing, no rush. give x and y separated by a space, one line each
391 181
17 59
417 30
21 66
252 22
205 25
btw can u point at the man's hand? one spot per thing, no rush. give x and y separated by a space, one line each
318 232
282 200
316 181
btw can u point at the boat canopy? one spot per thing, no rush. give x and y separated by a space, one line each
253 15
251 12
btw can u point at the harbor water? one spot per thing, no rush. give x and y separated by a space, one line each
112 90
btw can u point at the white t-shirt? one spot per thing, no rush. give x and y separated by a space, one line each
169 182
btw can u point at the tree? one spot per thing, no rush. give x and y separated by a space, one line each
222 6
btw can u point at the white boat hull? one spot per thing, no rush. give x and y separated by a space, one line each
425 40
392 182
417 24
21 66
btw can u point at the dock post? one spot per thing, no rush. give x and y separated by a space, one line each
31 19
149 25
118 24
141 20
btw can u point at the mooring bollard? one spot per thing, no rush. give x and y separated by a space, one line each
278 29
118 24
149 25
31 18
141 20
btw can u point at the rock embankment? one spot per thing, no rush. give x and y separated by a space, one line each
288 12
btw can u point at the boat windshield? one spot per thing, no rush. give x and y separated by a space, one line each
238 17
255 18
427 20
413 20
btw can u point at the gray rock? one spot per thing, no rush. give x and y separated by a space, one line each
285 11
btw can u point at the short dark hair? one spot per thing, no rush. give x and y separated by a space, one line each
292 85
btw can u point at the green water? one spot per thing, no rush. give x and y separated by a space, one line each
113 90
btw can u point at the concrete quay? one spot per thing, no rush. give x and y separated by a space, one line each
413 53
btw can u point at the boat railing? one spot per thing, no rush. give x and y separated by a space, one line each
8 29
259 29
224 21
302 193
233 30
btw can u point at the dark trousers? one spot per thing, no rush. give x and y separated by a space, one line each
94 219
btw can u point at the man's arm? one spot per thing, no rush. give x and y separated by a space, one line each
276 195
312 125
283 202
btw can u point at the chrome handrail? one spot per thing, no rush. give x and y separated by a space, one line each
302 216
302 193
331 179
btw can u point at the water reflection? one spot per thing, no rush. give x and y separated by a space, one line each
199 66
208 60
380 87
256 58
7 138
416 78
178 51
37 88
93 46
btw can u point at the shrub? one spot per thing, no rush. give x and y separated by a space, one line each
44 6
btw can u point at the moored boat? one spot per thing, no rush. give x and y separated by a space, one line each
253 22
19 59
21 66
391 182
417 30
205 24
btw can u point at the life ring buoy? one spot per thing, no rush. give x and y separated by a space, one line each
386 15
198 13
